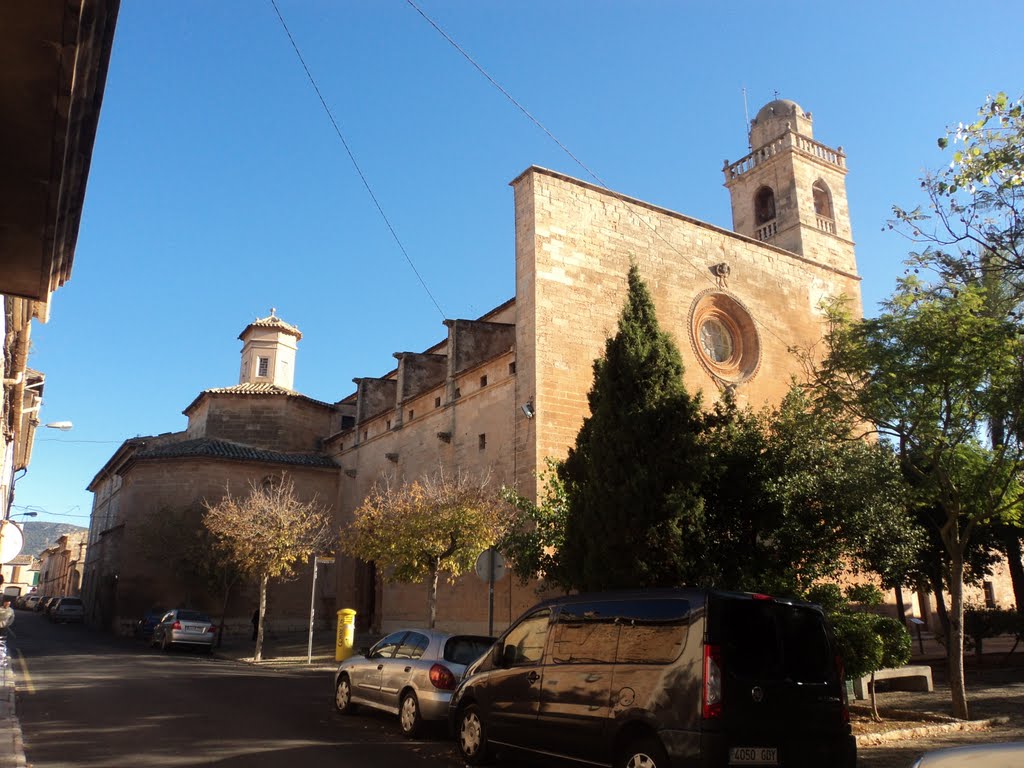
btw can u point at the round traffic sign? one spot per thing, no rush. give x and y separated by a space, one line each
483 565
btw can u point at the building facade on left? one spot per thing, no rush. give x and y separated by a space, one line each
53 68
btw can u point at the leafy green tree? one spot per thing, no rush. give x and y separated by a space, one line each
974 218
268 533
971 231
416 530
535 532
632 480
793 497
867 641
926 374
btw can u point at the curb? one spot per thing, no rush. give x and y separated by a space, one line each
925 731
12 747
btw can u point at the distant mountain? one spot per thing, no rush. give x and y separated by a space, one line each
39 536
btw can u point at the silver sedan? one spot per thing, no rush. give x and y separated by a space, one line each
410 673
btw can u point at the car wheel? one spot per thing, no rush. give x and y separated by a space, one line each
471 736
646 752
409 715
343 696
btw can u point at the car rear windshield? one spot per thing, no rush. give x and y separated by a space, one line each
765 639
465 649
192 616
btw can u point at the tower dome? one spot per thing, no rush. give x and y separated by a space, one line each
775 118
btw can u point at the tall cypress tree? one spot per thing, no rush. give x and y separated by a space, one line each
633 479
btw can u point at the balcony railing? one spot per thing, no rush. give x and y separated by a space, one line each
789 140
826 224
767 230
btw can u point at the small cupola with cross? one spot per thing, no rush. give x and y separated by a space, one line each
269 345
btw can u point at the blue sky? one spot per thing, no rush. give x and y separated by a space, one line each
219 188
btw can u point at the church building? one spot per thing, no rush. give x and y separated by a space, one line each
504 392
498 395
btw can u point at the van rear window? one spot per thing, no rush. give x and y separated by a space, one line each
624 631
763 639
465 649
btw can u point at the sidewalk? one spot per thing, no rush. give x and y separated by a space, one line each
12 750
289 648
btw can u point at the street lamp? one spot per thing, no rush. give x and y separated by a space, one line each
63 426
24 514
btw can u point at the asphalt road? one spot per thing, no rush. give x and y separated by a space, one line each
90 699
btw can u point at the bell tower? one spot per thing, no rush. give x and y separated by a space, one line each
269 345
790 191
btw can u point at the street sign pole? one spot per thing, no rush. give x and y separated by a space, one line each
317 560
312 611
490 592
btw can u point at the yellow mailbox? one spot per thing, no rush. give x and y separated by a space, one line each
346 634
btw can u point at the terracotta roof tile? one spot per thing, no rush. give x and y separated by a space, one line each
275 322
222 449
251 388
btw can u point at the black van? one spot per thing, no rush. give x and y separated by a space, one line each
645 679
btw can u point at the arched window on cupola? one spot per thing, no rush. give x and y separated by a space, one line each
764 206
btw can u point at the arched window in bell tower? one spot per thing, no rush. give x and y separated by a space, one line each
764 205
822 199
824 214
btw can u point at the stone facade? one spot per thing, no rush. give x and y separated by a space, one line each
745 299
61 566
500 394
20 575
152 492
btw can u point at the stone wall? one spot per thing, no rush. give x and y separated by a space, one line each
574 245
275 422
180 486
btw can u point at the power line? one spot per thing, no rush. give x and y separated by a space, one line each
575 159
59 440
43 511
505 93
351 156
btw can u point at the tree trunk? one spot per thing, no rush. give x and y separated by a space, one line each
955 647
901 611
258 655
1012 544
224 609
432 597
874 700
940 609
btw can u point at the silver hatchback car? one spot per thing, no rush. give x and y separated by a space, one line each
184 627
410 673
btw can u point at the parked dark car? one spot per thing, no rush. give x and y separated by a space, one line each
691 677
183 626
144 627
410 673
41 603
66 609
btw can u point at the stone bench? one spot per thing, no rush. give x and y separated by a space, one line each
916 677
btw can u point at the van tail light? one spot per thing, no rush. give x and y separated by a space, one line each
712 699
211 629
176 625
442 677
841 675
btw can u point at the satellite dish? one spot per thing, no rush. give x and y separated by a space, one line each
12 539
